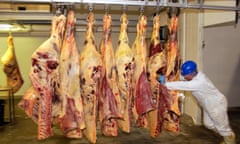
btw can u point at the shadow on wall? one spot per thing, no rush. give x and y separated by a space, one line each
234 88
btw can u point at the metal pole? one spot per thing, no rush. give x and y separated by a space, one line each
133 3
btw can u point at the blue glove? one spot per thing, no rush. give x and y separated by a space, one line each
161 79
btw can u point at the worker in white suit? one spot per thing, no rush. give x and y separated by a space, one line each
212 101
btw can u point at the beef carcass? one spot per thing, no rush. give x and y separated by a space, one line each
44 75
30 104
72 117
109 100
11 68
157 66
143 102
173 74
125 68
90 74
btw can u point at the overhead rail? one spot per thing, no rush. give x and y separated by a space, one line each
45 18
161 3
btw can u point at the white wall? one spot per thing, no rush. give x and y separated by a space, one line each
222 60
212 17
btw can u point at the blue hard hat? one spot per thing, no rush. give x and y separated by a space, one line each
188 67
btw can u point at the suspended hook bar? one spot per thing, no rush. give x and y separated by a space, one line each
90 7
158 7
173 11
71 7
124 8
106 8
10 32
65 10
200 2
142 6
58 11
62 8
141 9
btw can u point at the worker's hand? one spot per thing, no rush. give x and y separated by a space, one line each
161 79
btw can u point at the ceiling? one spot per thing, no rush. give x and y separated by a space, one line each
36 16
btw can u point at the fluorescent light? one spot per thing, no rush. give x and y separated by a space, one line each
14 28
6 27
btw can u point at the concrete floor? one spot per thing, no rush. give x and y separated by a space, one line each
24 131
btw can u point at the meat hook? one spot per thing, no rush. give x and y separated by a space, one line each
90 7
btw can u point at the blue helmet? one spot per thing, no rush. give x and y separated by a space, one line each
188 67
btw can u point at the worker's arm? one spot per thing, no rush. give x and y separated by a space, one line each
183 85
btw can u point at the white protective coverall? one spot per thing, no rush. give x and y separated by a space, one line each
213 102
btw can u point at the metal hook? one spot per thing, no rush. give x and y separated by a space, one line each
124 8
10 33
58 11
106 8
65 11
90 7
71 7
141 10
158 7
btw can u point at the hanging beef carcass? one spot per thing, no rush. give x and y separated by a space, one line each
143 101
72 117
125 68
90 74
173 74
109 100
11 68
30 104
44 75
157 66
